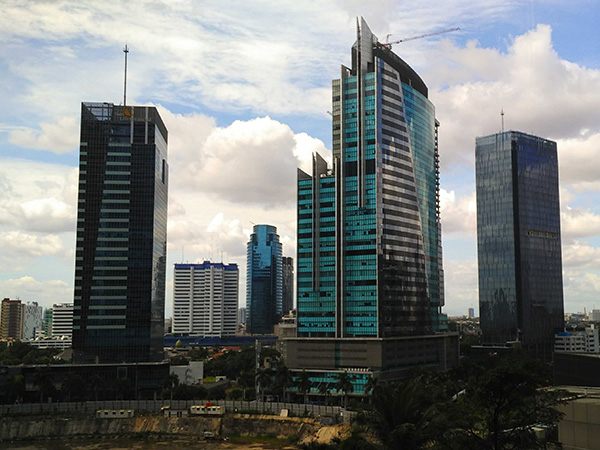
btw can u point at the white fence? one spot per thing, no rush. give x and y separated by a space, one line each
154 406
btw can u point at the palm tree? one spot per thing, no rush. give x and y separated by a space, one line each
283 378
345 385
304 385
171 383
96 384
263 380
324 389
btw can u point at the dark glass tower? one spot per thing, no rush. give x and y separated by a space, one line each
120 261
288 285
264 280
369 243
518 240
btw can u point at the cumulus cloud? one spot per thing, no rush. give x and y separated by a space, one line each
46 293
459 214
61 136
540 92
578 223
38 196
21 244
461 291
251 161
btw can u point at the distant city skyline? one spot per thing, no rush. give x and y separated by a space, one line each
244 92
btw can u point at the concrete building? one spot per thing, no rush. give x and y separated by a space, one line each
518 241
120 261
11 319
62 320
586 341
205 299
369 261
33 321
264 280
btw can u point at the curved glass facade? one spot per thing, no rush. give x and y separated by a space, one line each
264 282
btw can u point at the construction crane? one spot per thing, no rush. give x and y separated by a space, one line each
388 45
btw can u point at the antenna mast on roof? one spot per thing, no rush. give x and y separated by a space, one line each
502 115
125 50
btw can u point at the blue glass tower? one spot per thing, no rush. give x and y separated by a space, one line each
369 243
264 280
518 237
120 261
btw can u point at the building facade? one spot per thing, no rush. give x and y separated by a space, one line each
62 320
33 320
288 285
205 299
11 319
120 268
578 341
264 280
518 240
369 272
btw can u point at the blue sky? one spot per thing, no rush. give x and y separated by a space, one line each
244 88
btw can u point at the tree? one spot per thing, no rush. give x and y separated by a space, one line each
171 383
370 385
283 379
263 381
403 414
324 389
304 385
344 384
502 403
42 378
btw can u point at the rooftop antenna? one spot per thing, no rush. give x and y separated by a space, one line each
502 115
125 50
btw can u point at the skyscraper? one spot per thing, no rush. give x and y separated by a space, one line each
11 319
264 279
369 273
32 320
205 299
121 235
518 240
288 285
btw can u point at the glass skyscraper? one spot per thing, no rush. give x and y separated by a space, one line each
369 261
369 244
288 285
120 261
264 280
518 240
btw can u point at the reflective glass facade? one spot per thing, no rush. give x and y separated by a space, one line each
264 280
120 260
369 243
518 236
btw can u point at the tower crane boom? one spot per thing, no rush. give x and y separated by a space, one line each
389 44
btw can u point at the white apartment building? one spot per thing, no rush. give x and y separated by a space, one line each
205 299
33 320
62 320
587 341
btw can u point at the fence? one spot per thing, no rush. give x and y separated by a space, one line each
155 406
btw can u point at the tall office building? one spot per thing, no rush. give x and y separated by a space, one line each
518 240
205 299
288 285
369 274
121 235
11 319
264 280
33 321
62 320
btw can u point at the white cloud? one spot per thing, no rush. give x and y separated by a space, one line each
461 290
578 223
60 136
539 92
458 215
580 255
46 293
19 244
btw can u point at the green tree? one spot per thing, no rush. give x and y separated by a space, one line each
344 384
304 385
44 382
283 380
324 389
503 401
171 384
263 381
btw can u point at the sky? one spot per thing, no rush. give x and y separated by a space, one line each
244 89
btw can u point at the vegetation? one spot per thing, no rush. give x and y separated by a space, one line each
21 353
